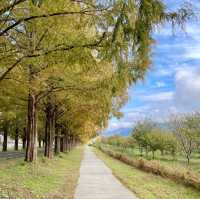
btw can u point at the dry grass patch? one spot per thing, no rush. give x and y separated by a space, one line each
47 179
183 176
147 185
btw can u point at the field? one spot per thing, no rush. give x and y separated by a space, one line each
50 179
146 185
177 161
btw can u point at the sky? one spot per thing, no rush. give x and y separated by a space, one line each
172 85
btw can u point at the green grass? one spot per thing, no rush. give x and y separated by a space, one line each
146 185
46 179
178 161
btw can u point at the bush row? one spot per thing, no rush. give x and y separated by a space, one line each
182 176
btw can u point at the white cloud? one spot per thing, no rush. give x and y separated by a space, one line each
173 110
193 30
193 53
160 84
160 105
134 116
119 125
163 72
172 54
156 97
187 94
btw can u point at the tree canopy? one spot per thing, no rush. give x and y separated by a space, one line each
66 65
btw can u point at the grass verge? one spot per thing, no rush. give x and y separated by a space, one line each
147 185
184 176
177 161
46 179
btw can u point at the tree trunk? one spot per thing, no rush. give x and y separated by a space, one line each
16 139
46 139
40 143
68 143
31 150
141 150
5 138
57 141
188 159
49 130
153 153
61 144
65 144
24 139
73 141
43 143
146 151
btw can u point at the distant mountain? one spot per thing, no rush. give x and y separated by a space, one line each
126 131
122 131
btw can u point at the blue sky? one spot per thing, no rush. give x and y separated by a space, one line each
172 85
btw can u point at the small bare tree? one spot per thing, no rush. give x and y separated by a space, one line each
186 129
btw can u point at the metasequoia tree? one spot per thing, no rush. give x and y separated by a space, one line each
32 43
61 46
13 112
82 96
125 26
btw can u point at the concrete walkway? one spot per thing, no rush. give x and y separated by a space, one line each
97 182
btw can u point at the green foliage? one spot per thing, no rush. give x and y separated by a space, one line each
182 136
119 141
151 138
155 186
37 2
79 57
45 179
186 129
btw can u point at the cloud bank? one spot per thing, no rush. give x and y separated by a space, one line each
173 83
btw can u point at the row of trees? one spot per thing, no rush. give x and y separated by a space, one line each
151 138
181 134
119 141
65 65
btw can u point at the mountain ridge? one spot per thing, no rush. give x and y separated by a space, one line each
121 131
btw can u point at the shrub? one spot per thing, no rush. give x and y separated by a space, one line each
181 176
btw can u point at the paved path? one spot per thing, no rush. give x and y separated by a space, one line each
11 154
97 182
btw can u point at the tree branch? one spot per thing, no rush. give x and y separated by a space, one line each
66 48
25 19
10 68
7 8
70 47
